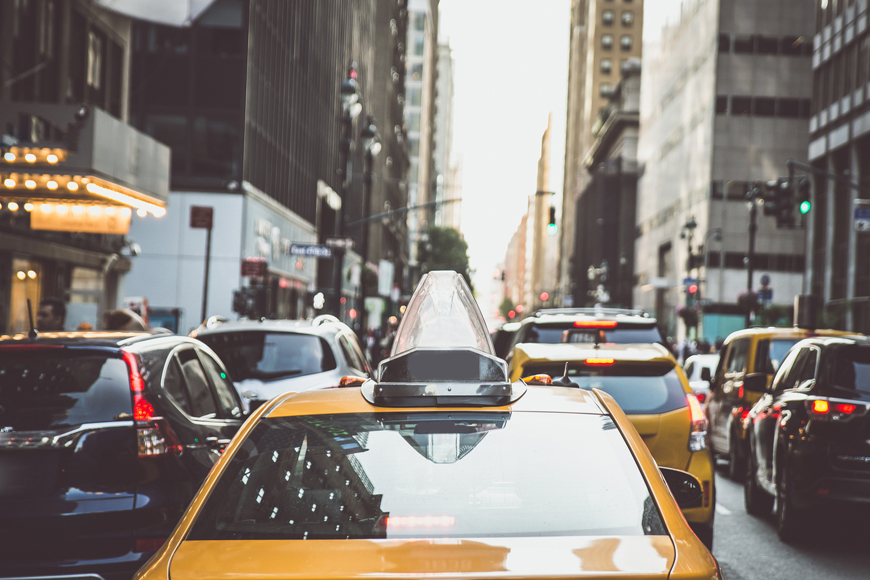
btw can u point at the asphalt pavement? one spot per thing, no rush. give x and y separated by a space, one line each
834 546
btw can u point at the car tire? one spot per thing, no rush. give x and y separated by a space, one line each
756 501
736 464
789 519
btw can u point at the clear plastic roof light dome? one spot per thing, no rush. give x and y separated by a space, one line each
442 314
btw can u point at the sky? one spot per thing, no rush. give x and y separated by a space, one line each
510 72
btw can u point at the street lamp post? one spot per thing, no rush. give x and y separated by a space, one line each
371 146
351 106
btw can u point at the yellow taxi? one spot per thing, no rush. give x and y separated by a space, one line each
442 468
747 362
652 390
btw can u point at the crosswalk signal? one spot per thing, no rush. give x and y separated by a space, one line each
551 226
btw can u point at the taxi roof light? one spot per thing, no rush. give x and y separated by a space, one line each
600 362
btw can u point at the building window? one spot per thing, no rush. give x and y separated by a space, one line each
791 45
767 45
606 66
419 22
724 42
606 90
627 18
607 42
626 42
722 105
417 71
764 106
415 96
608 17
741 105
95 60
419 43
744 44
790 108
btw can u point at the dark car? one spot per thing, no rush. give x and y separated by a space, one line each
585 325
808 434
104 439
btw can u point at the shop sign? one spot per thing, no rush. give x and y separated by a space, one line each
312 250
81 219
254 267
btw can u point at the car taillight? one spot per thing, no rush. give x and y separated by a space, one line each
351 381
701 397
828 410
595 324
599 361
698 434
155 436
538 380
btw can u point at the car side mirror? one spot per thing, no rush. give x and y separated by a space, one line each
705 374
755 382
684 486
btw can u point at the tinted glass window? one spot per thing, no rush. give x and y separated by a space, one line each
769 354
223 387
556 333
201 401
399 475
737 356
808 370
174 385
352 359
53 388
270 355
639 390
851 368
790 378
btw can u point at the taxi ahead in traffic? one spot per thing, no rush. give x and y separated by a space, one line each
652 390
443 467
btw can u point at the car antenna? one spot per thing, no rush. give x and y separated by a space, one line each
32 333
564 381
599 338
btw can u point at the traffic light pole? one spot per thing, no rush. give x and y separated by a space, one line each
750 257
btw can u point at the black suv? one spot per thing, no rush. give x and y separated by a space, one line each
557 325
809 434
104 439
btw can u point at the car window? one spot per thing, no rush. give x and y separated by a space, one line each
229 404
269 356
639 389
770 353
175 388
201 401
808 370
688 370
57 388
354 359
394 475
851 368
790 378
737 356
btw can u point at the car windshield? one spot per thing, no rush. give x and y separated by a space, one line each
50 388
639 389
396 475
269 356
851 368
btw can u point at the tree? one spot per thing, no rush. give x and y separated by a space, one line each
446 250
506 306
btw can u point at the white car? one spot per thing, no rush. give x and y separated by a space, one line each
266 358
700 368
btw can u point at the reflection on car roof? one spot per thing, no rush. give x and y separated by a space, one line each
577 351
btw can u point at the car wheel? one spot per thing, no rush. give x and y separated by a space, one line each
705 534
736 464
756 501
789 519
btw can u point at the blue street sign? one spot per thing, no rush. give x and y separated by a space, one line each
861 218
310 250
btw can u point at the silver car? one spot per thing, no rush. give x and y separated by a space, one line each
266 358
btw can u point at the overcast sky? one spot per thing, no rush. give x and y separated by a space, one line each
510 72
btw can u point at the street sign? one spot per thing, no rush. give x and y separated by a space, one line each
310 250
254 267
344 243
690 281
861 216
201 217
765 294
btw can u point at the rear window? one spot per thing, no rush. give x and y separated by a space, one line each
769 354
623 334
54 388
851 368
397 475
268 356
639 389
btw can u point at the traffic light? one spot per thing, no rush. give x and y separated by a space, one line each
552 227
779 202
691 294
802 197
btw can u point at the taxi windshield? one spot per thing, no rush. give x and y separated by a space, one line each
395 475
442 313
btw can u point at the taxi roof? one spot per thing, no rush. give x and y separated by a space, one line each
647 352
786 332
351 400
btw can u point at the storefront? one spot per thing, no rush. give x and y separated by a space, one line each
71 180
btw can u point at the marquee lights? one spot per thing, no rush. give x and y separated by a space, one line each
34 155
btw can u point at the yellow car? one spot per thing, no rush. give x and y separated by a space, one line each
442 468
652 390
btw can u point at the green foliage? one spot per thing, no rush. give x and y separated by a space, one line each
446 250
506 306
775 315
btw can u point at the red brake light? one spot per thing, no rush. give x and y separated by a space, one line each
740 392
820 406
701 397
142 409
846 408
695 409
595 324
599 361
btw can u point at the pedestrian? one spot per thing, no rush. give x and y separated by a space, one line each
51 314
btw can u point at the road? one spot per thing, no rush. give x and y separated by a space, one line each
748 548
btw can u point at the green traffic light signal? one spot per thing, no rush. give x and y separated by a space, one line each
805 207
551 229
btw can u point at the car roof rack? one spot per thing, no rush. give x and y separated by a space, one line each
592 311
